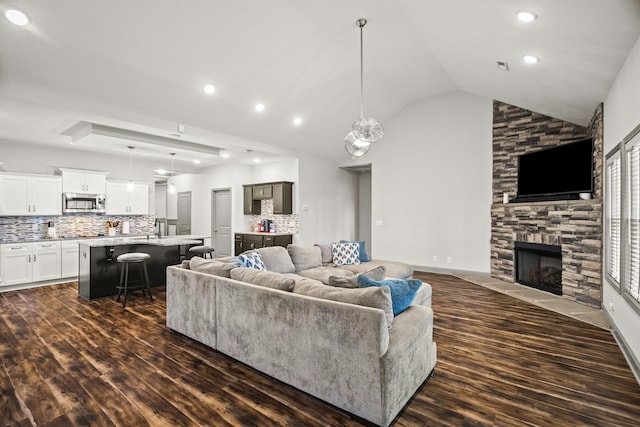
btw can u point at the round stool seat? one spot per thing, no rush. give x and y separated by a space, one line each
133 257
201 250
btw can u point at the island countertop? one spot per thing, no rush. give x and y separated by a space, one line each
143 240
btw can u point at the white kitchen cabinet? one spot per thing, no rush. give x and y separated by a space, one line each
69 252
15 263
29 262
46 261
30 195
79 181
123 199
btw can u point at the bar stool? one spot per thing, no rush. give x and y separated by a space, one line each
202 251
142 284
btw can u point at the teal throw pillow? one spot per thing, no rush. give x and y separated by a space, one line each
402 291
252 260
363 252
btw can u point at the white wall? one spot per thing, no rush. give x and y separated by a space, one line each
431 184
330 194
621 116
364 209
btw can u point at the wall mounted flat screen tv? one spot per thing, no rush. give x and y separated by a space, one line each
557 173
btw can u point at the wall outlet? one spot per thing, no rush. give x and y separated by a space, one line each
378 222
34 227
305 207
449 259
435 258
611 307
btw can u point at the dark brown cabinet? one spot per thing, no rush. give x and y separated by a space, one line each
245 242
280 192
251 206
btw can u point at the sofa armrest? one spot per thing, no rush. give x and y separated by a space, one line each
423 296
191 298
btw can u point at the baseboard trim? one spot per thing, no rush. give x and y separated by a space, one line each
633 363
452 271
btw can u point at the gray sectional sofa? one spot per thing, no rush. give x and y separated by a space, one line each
341 345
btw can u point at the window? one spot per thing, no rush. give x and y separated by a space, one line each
632 216
613 210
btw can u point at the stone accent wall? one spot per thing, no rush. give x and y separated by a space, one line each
575 225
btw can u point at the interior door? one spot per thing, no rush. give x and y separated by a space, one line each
184 213
221 222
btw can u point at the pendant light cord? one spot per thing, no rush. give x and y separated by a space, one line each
361 23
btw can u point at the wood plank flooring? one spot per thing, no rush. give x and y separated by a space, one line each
501 361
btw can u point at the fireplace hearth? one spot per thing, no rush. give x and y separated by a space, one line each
539 266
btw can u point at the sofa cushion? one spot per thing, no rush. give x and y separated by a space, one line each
267 279
252 260
345 253
397 270
375 297
323 274
363 252
276 259
325 249
305 257
211 266
402 291
345 281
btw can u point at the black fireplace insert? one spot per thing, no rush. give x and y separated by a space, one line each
539 266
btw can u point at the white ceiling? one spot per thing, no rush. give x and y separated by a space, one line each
141 65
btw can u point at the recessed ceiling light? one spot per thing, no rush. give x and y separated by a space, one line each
256 160
209 89
16 17
224 155
297 121
196 161
526 16
530 59
259 108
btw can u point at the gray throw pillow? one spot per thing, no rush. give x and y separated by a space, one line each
380 298
325 250
305 257
268 279
211 266
376 273
276 259
323 274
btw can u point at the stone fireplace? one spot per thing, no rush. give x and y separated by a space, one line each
572 227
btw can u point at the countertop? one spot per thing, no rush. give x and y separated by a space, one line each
260 233
110 240
143 240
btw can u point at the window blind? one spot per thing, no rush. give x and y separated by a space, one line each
633 218
613 217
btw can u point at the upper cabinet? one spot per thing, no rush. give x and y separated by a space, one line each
30 195
81 181
127 199
281 193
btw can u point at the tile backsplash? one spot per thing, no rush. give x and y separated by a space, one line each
35 227
283 223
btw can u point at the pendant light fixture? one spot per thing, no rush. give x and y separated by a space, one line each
171 188
130 186
365 130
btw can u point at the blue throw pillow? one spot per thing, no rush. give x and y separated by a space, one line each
252 260
363 252
402 291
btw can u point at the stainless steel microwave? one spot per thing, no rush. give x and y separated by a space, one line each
83 203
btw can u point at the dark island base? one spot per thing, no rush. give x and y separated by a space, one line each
100 271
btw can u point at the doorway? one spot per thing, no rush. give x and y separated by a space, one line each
221 222
184 213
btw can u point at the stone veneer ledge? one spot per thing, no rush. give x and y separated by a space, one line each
575 225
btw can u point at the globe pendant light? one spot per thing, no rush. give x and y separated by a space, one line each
365 130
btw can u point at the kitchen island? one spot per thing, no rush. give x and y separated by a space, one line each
98 266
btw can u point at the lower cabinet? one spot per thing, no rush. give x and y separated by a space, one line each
69 258
246 242
29 262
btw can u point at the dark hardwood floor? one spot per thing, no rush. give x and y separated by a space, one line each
501 361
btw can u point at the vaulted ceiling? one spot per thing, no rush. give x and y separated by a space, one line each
141 65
